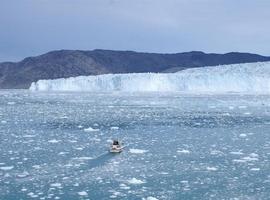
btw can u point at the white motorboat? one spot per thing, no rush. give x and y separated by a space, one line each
116 147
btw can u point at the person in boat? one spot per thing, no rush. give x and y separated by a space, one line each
116 147
116 142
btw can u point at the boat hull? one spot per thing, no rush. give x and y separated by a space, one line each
115 150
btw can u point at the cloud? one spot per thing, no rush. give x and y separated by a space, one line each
30 27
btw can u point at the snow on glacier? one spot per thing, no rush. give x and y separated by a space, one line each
248 78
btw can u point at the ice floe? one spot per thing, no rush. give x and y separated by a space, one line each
135 181
83 193
243 135
212 168
137 151
184 151
90 129
83 158
56 185
114 128
53 141
149 198
7 168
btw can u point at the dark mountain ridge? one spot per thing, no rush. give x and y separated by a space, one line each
70 63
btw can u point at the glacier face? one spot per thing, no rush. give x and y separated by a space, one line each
244 78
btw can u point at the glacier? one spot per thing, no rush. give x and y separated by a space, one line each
239 78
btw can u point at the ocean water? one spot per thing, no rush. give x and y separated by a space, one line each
177 146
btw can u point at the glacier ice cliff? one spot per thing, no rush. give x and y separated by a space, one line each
246 78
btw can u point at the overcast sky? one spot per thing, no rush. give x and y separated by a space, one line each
33 27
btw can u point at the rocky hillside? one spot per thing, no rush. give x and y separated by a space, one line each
70 63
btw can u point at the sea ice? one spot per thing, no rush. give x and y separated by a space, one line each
53 141
124 186
83 193
255 169
150 198
137 151
184 151
135 181
159 124
212 168
83 158
236 153
36 166
243 135
56 185
7 168
90 129
23 175
114 128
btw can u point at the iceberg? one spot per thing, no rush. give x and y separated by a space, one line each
240 78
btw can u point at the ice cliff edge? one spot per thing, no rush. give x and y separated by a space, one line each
247 78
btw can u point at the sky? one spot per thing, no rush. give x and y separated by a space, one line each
34 27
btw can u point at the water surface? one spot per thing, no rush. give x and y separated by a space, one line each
55 146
